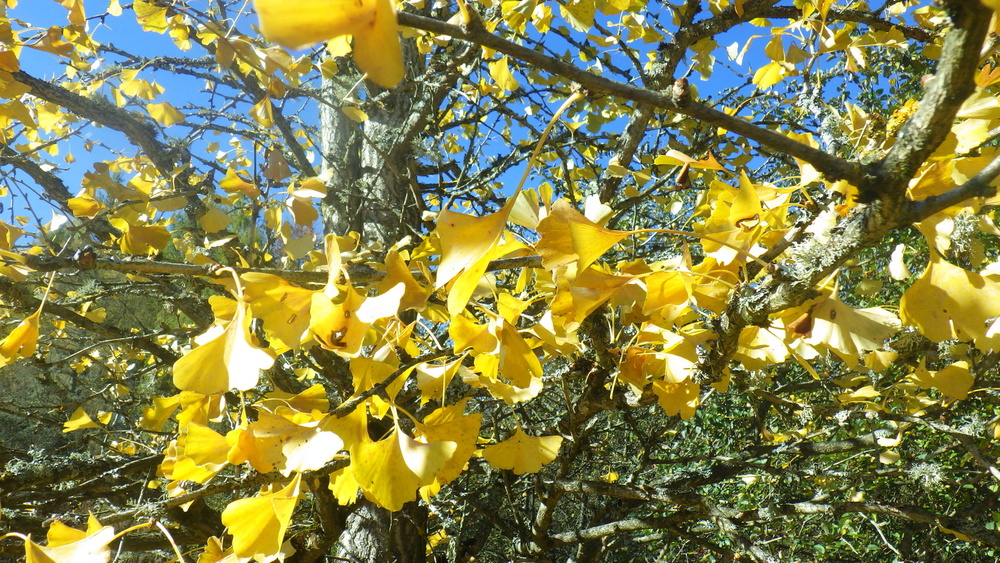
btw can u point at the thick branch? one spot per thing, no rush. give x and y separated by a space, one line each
612 528
53 185
931 123
866 17
358 273
104 113
977 186
914 514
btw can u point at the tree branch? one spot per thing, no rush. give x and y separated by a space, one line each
914 514
930 124
13 292
831 166
358 273
105 113
977 186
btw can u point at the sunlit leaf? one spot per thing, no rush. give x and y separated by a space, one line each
232 183
79 420
69 545
258 524
228 360
274 443
452 424
949 302
500 71
391 470
84 206
299 23
954 380
283 307
21 341
568 236
677 398
165 114
848 331
522 453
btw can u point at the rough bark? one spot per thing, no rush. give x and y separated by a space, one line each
375 534
370 190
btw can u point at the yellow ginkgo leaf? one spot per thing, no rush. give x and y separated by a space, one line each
84 206
472 279
568 236
452 424
391 470
522 453
341 323
214 220
377 50
769 75
283 307
897 265
677 398
369 372
761 346
21 341
275 443
861 395
667 295
165 114
948 302
500 71
433 379
68 545
514 373
575 300
354 114
141 239
156 415
746 210
263 112
286 404
344 486
198 454
396 272
954 380
848 331
677 158
79 420
466 333
232 183
227 360
465 239
299 23
258 524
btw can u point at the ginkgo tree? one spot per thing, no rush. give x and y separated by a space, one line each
493 281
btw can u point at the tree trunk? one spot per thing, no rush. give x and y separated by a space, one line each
370 169
375 534
371 189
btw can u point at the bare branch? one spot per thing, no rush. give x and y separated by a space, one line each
831 166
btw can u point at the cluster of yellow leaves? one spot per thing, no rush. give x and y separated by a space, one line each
664 301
